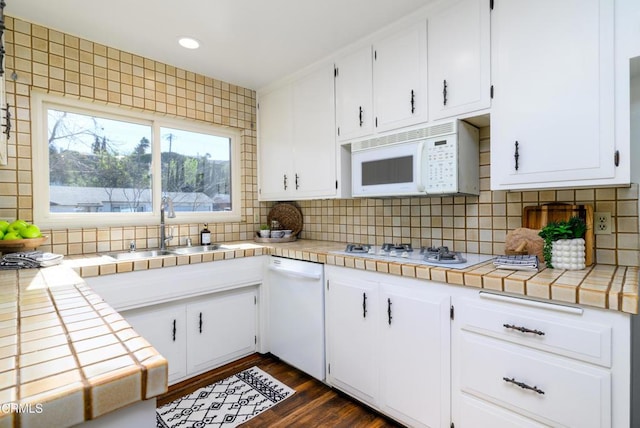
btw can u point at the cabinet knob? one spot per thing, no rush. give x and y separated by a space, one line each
389 317
284 183
360 115
516 155
200 323
297 181
174 330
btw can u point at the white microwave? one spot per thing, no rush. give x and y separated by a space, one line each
442 159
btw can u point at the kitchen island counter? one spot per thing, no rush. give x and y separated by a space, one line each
66 356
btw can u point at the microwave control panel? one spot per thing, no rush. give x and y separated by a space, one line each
442 165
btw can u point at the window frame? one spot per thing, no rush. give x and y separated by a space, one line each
41 102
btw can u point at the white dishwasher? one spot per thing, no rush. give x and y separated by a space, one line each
296 314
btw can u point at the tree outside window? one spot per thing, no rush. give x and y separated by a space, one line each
98 164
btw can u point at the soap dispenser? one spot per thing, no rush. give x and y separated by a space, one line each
205 236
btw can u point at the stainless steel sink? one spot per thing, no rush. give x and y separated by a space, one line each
197 249
136 255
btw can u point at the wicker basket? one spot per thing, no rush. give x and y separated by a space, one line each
288 215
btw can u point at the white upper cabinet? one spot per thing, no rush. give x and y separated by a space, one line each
298 155
400 78
275 132
383 86
459 59
354 98
552 116
314 142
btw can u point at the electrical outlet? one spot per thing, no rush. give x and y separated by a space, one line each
256 217
602 223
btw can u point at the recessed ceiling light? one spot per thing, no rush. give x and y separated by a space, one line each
189 43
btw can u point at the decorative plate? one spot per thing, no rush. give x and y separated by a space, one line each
288 215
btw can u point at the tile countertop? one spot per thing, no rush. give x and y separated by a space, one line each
65 355
63 348
603 286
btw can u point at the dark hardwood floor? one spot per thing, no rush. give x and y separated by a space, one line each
313 405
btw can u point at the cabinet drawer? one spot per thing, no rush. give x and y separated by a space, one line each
475 413
551 389
543 328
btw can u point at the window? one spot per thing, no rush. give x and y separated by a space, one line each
196 170
109 166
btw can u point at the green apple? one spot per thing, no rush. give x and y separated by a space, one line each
11 236
17 225
31 231
4 225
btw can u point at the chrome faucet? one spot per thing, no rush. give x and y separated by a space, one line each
166 204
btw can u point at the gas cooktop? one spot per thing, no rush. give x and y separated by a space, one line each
432 256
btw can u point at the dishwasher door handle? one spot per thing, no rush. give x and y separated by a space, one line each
295 273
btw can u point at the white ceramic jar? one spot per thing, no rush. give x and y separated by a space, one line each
568 254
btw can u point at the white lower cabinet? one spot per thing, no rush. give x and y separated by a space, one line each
198 335
518 362
165 328
548 388
221 328
388 344
198 316
352 325
429 354
414 365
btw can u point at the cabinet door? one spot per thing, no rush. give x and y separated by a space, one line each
552 116
400 78
274 144
220 328
458 57
415 355
165 328
314 141
354 100
352 324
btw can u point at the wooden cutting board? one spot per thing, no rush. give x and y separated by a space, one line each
537 217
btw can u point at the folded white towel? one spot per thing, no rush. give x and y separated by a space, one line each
517 262
29 259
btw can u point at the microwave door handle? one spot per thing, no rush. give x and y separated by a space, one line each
421 185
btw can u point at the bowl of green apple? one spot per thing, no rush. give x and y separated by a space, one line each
19 235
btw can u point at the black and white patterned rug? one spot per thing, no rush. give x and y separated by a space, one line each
226 403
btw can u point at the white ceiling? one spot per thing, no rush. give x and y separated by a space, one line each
250 43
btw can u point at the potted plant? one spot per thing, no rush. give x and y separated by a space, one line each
264 231
564 245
